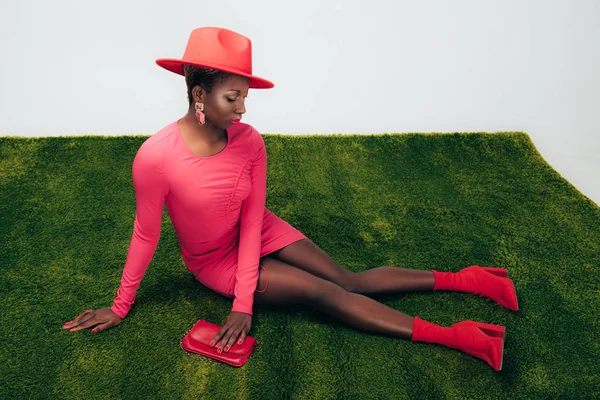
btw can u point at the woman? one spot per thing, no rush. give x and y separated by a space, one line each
210 170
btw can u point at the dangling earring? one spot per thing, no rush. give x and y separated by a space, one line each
199 114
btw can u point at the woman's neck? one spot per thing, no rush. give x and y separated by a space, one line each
206 132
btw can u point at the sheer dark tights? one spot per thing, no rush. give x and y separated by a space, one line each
303 273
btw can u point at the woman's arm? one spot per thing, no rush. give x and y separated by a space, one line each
239 321
151 189
250 231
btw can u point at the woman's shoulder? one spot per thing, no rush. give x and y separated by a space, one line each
153 148
162 134
244 129
249 133
153 143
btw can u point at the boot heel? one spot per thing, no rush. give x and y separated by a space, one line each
475 341
499 353
501 272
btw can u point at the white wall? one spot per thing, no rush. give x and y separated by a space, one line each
87 67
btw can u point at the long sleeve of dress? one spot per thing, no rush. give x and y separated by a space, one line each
250 231
150 190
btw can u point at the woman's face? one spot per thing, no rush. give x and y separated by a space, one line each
226 101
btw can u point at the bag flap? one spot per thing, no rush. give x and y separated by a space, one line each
204 331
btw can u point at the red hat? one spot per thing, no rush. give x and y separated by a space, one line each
220 49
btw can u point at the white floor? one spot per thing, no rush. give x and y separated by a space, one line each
582 171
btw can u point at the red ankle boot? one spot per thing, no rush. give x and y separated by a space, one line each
484 341
487 282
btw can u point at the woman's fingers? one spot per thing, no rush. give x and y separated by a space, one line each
102 327
85 321
103 317
225 339
81 320
232 338
218 336
242 337
76 320
86 324
237 325
83 315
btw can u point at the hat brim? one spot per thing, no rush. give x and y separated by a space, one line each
176 66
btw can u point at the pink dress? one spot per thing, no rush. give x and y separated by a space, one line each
217 207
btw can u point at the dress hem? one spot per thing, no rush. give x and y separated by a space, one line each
281 242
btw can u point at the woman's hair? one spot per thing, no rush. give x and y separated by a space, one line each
205 77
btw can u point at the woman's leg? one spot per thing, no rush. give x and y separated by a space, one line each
281 283
488 282
306 255
286 284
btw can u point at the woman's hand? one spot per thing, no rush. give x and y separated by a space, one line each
236 324
104 316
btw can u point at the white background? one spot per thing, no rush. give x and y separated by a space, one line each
87 67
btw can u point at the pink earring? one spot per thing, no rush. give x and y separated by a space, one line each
199 114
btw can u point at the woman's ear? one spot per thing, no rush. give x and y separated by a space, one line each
198 93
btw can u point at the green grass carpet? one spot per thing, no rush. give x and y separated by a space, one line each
425 201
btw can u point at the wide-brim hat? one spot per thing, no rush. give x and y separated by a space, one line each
217 48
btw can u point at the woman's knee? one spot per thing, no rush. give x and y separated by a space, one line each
351 282
282 283
307 256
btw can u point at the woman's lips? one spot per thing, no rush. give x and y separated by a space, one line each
235 121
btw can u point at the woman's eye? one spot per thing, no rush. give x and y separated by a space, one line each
232 100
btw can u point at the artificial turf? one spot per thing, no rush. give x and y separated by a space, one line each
424 201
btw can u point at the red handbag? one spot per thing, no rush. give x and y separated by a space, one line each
197 340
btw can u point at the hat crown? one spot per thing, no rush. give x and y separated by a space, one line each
219 46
